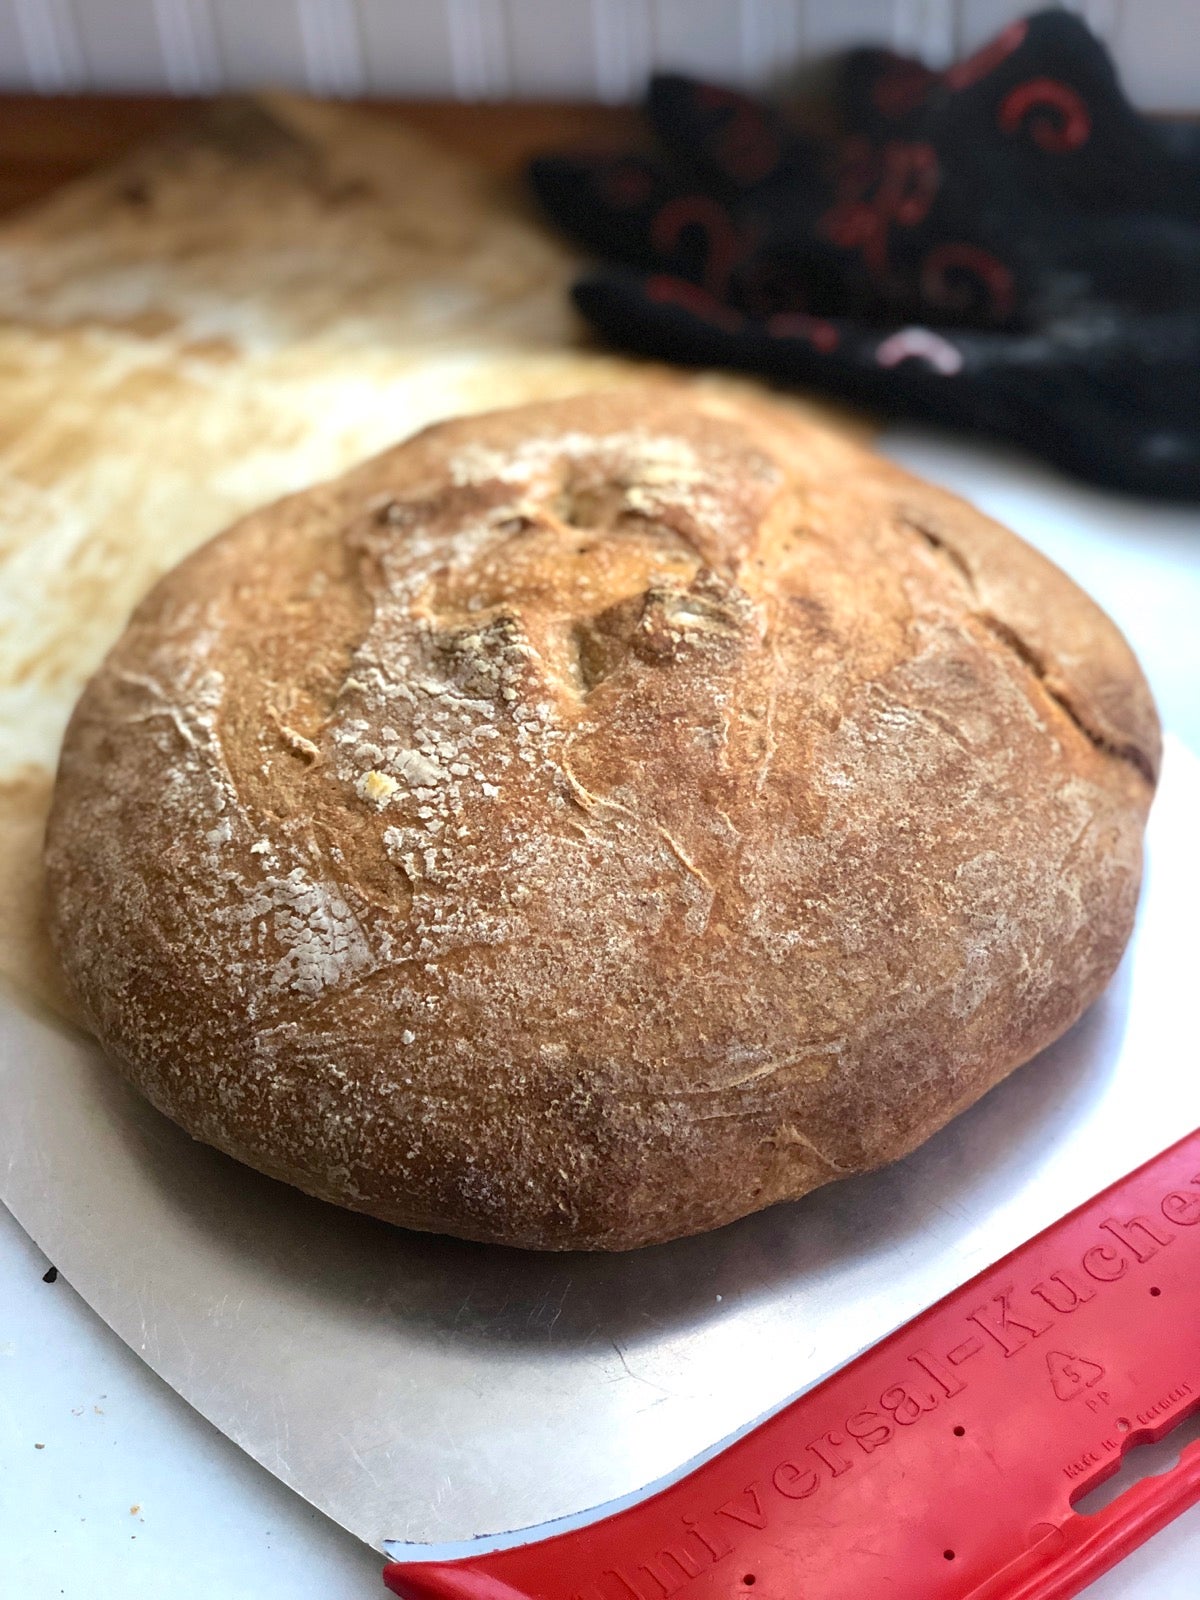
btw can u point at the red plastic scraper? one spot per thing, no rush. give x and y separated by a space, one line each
943 1463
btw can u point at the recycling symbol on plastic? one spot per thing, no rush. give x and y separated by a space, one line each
1072 1374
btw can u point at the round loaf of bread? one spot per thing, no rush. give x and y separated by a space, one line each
585 824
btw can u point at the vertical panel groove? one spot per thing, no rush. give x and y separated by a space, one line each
958 23
51 43
479 51
188 40
332 46
621 38
1118 23
770 37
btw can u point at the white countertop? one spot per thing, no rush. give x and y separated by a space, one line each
133 1496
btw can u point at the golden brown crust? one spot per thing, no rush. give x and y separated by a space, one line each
587 823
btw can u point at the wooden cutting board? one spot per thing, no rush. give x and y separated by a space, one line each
240 309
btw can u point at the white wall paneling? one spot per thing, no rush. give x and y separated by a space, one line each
149 44
120 44
926 28
406 47
479 49
550 50
690 34
834 24
187 35
14 64
622 44
333 58
1157 45
260 42
772 32
1102 16
50 41
496 49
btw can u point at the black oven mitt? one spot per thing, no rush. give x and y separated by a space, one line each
973 251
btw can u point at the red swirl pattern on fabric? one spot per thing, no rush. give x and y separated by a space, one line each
894 186
946 262
1068 125
745 147
723 248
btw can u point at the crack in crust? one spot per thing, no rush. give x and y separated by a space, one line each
952 557
1050 681
1062 697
